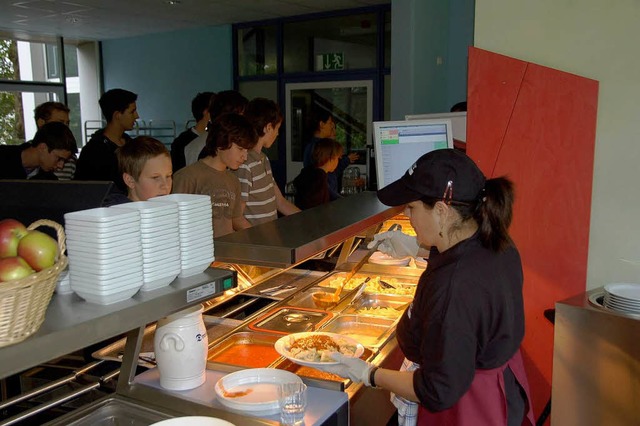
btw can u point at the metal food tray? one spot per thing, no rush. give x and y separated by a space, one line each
113 411
403 281
216 328
290 319
374 300
304 299
370 331
242 360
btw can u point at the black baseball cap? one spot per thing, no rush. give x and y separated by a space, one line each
446 174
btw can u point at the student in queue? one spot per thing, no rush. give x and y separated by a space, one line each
461 335
200 111
312 185
261 196
98 157
145 164
225 102
52 145
48 112
229 139
323 126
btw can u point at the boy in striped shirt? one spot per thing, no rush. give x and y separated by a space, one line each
259 191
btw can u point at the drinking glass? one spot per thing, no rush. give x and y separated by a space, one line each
292 398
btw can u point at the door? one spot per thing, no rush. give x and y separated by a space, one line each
349 102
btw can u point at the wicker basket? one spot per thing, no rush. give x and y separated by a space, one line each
24 302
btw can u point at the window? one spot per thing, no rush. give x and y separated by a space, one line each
31 72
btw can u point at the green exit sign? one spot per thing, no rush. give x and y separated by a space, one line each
330 61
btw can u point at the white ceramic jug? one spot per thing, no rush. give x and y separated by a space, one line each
181 345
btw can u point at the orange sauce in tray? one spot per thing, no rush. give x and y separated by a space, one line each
247 355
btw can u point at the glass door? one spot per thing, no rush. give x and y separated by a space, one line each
350 103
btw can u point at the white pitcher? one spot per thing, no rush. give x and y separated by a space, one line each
181 345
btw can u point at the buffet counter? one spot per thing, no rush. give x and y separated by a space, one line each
270 283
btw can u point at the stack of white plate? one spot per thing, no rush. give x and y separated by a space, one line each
160 241
195 225
105 254
622 297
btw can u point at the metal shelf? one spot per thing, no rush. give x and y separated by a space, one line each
293 239
72 323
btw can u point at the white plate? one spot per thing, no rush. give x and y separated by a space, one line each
283 344
624 291
193 421
420 262
262 384
380 258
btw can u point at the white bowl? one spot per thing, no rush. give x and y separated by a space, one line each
106 273
194 270
102 215
183 200
107 299
91 237
149 207
157 283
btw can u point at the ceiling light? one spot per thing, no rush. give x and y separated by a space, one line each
173 2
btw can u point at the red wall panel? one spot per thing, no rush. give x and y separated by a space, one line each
537 125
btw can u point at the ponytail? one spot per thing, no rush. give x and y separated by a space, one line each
494 213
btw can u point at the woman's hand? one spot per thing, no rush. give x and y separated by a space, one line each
396 244
354 368
353 157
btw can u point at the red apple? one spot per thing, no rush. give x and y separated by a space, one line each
14 268
10 233
38 249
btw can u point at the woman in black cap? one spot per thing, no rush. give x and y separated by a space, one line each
462 333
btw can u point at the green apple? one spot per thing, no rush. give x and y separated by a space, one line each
38 249
14 268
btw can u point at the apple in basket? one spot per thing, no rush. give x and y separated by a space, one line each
38 249
11 231
14 268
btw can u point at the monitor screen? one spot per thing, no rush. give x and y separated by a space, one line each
30 200
398 144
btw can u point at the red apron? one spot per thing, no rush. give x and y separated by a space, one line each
485 403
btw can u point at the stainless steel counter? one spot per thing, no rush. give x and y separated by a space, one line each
596 364
71 323
293 239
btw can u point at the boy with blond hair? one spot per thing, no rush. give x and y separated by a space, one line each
145 165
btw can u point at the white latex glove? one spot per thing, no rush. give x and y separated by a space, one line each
396 244
354 368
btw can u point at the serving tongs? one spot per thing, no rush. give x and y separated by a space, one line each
360 291
364 260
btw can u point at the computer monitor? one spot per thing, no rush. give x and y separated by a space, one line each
30 200
458 122
398 144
